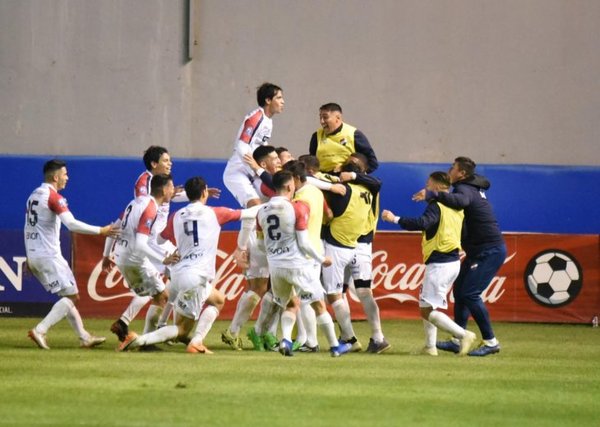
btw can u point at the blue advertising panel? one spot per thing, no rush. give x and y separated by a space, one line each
21 294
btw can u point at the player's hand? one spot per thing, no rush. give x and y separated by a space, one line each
249 160
110 230
338 189
107 264
419 196
215 193
387 216
171 259
327 262
347 176
240 257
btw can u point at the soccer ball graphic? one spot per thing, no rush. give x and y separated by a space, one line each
553 278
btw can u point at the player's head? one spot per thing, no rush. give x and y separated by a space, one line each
297 169
351 167
157 160
311 163
267 158
284 155
360 160
330 116
55 172
196 188
270 98
438 181
283 181
161 186
462 168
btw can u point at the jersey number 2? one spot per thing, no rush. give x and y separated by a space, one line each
273 221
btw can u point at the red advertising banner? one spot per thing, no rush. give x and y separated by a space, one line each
545 278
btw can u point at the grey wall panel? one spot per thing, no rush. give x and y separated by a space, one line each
502 81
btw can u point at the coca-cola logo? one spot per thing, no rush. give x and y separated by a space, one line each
392 280
103 286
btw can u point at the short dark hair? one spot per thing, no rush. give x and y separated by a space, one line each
362 159
266 91
297 168
158 182
261 152
51 166
351 167
194 187
441 178
153 154
280 150
331 106
466 165
281 178
311 162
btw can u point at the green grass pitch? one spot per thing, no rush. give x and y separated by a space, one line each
545 375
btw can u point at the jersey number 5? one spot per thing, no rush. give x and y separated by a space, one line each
32 216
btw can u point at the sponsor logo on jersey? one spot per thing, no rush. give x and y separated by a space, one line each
63 202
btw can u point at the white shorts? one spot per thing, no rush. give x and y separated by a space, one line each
303 281
333 276
144 280
438 279
361 267
258 264
54 274
240 185
191 289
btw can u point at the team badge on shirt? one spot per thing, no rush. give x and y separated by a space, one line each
149 223
344 142
248 131
62 202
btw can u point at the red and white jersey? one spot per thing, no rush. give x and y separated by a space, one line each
279 219
142 188
139 217
255 131
263 191
42 224
142 184
195 230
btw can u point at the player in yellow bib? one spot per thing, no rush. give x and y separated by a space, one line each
441 228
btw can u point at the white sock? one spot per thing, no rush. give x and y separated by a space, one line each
491 343
342 315
309 319
152 318
207 318
443 322
430 334
246 305
164 316
57 313
160 335
134 307
372 311
288 319
74 319
325 322
267 310
300 330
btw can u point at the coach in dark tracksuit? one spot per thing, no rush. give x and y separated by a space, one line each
484 247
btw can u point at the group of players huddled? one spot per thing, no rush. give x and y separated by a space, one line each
307 227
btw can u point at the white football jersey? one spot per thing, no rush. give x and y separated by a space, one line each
255 131
278 220
139 217
142 188
42 224
195 229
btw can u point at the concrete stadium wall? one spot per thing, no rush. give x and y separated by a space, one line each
508 82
